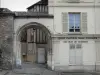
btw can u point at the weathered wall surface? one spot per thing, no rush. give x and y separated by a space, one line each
6 39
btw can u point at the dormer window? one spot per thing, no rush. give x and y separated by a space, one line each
34 9
39 7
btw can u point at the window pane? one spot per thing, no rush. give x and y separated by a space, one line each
71 25
71 17
77 30
71 21
77 17
77 21
71 30
78 46
72 46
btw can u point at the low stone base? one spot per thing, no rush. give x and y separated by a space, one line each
98 68
86 68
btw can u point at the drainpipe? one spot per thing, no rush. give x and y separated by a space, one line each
95 33
14 44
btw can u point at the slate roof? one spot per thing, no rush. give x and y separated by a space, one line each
33 14
5 11
23 14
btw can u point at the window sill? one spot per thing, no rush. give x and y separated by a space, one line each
74 33
75 65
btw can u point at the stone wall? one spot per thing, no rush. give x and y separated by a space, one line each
6 39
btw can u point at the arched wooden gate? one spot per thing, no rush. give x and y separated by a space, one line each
32 42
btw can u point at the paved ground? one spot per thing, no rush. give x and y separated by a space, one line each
4 72
48 73
30 69
80 74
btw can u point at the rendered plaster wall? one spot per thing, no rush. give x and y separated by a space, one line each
61 56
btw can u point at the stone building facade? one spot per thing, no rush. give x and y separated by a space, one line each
63 34
6 37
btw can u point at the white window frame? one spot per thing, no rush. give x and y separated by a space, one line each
74 23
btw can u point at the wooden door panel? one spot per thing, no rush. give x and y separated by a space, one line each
31 58
41 55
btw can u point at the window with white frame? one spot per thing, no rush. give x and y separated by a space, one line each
75 55
74 22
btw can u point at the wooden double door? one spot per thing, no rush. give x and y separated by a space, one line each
33 54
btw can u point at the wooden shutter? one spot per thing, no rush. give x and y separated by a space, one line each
24 48
83 22
98 51
65 21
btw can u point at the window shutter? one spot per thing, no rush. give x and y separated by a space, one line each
65 21
84 22
98 51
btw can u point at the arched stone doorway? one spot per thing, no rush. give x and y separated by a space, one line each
32 44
